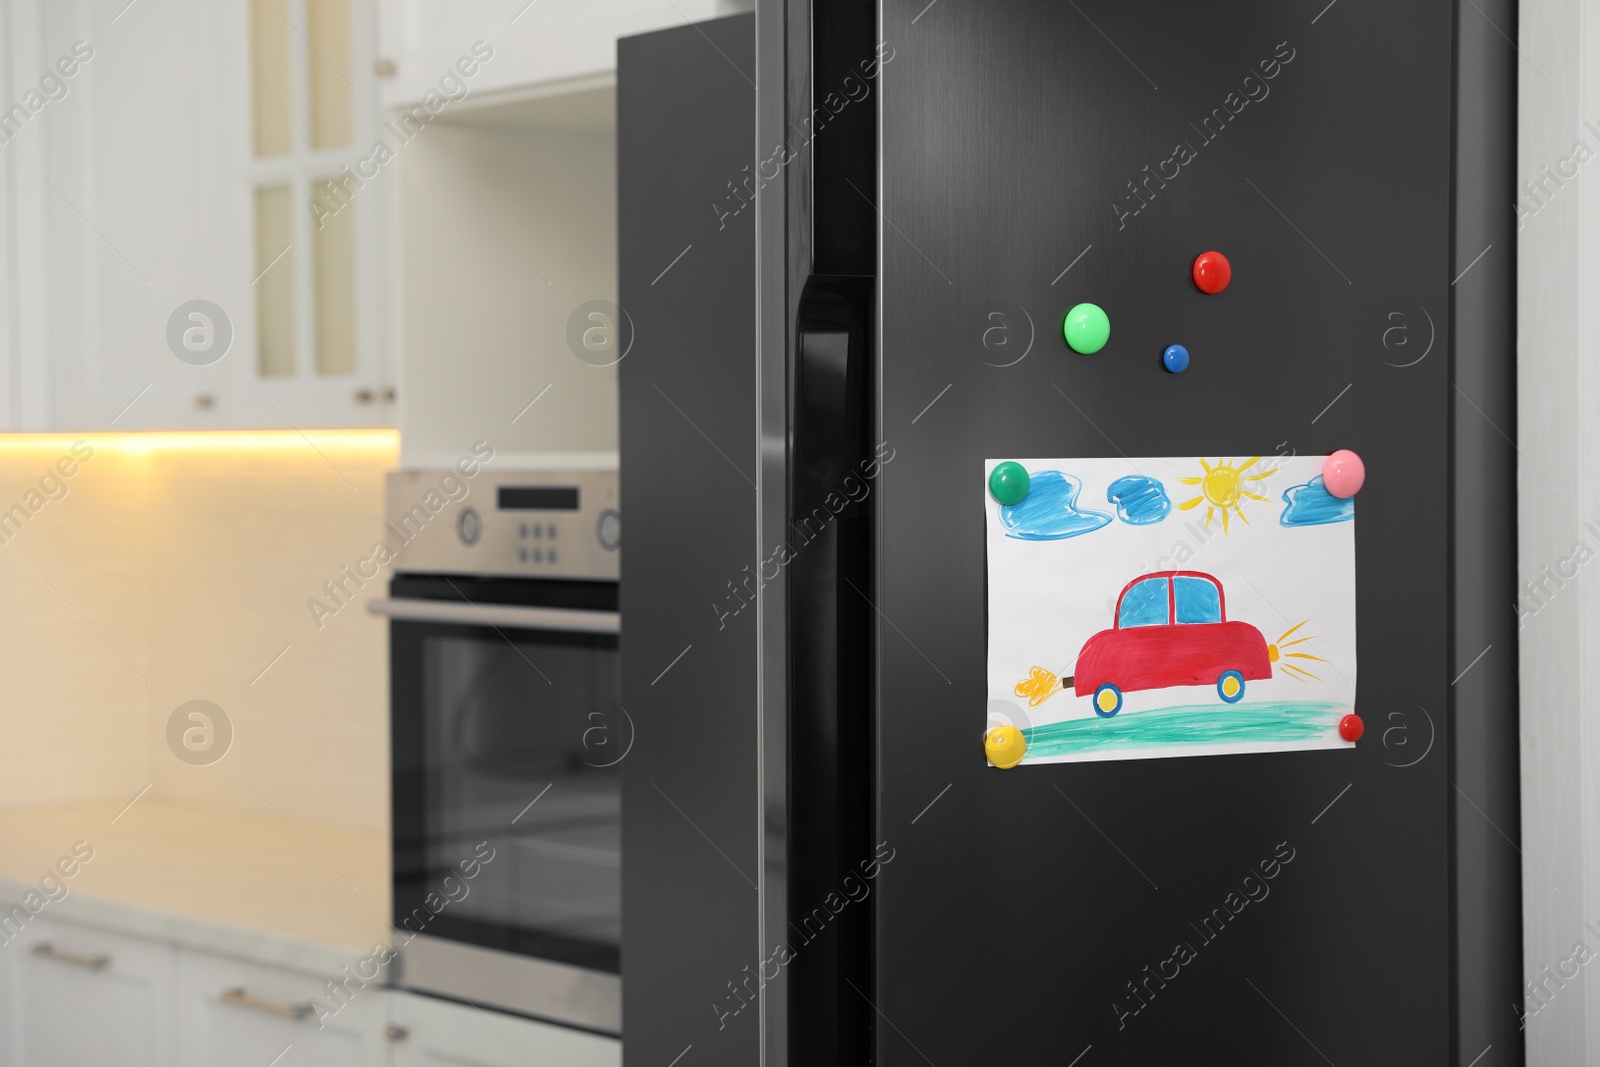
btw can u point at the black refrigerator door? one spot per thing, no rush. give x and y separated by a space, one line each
1352 160
685 129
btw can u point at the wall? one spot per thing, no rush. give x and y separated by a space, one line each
1558 399
172 567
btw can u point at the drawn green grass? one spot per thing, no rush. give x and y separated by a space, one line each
1188 724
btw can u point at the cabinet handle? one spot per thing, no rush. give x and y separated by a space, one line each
363 396
396 1032
277 1007
50 952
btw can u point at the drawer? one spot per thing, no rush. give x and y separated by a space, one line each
237 1014
84 996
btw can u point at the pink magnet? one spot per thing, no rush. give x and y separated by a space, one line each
1343 473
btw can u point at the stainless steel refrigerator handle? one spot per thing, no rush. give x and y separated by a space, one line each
50 952
287 1009
508 615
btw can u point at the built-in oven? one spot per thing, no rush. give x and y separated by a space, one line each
507 740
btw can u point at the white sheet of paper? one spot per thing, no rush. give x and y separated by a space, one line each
1285 563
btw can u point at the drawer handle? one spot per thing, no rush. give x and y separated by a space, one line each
50 952
276 1007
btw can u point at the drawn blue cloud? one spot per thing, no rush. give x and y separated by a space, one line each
1312 505
1140 501
1050 510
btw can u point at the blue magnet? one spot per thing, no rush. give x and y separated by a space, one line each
1175 359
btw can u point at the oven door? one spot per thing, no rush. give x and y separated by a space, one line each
507 743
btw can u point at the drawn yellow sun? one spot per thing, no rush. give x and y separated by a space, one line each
1223 487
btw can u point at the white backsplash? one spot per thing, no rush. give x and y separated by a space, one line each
171 568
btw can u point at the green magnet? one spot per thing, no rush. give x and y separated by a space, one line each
1008 482
1086 328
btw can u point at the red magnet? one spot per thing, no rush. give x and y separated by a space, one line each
1343 474
1212 272
1351 727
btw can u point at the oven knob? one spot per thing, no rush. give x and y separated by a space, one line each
609 530
469 527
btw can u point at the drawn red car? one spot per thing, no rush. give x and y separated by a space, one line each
1171 629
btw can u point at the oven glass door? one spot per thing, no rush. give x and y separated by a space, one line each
507 800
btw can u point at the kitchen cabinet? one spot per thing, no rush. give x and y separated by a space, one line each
232 1012
435 1033
194 245
506 324
539 46
81 995
8 1008
86 997
485 311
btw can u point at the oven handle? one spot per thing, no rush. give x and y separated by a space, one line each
508 615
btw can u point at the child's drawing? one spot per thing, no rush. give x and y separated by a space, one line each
1144 638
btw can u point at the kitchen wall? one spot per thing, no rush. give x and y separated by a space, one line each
1558 505
154 569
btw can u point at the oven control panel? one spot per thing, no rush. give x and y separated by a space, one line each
507 523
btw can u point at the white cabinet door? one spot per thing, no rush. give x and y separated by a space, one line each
144 192
8 1008
129 215
439 1033
537 44
234 1014
85 998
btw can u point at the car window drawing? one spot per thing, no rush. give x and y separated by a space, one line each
1197 600
1145 603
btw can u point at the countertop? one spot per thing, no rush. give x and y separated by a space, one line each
305 896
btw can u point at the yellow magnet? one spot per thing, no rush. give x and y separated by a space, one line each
1005 746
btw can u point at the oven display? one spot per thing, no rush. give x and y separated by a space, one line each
538 498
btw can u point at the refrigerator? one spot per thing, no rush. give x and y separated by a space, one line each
869 253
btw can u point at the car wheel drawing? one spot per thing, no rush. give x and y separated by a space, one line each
1107 700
